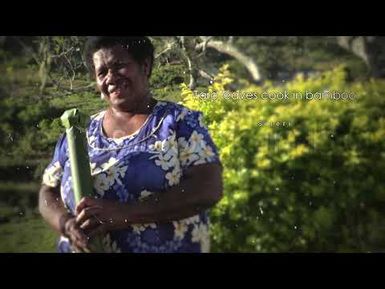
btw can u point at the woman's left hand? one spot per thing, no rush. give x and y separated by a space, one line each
97 216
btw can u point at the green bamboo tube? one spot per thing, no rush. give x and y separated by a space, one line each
75 123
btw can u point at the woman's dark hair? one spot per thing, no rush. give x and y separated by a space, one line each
140 48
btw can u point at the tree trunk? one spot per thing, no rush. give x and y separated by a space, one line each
371 49
229 49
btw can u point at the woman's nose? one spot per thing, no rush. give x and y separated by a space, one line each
111 77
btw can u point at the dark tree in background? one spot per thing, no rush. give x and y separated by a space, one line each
371 49
59 59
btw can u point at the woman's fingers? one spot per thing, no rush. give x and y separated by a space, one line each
86 202
90 224
78 246
87 213
75 234
82 238
79 239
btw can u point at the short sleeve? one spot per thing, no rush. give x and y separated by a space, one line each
53 173
195 144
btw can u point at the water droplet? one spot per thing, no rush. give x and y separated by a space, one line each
277 189
111 221
295 227
310 203
260 209
182 190
57 199
27 167
211 82
125 220
331 135
20 213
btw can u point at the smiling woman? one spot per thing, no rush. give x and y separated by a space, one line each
155 167
120 78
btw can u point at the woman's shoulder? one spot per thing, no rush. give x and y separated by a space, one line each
177 110
182 117
98 115
94 120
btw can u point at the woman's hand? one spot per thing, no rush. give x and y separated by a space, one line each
97 216
78 239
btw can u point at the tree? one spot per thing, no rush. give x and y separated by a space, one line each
371 49
58 58
41 54
192 49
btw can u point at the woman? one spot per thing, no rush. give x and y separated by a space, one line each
155 168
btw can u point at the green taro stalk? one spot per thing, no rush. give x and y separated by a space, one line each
75 123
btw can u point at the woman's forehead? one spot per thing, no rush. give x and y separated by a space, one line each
111 54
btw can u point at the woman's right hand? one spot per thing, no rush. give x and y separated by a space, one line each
78 239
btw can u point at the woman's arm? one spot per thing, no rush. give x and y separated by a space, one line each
52 208
199 189
53 211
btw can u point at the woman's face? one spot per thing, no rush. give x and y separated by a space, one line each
121 79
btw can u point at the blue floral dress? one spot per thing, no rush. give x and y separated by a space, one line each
129 169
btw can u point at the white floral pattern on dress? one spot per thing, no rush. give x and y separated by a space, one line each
195 150
182 115
144 194
110 246
166 156
200 234
173 177
139 228
52 175
180 229
107 175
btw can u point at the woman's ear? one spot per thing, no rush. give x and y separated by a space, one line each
146 67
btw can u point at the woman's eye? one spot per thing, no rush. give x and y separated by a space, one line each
121 65
101 73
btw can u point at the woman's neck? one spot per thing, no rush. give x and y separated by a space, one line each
119 123
144 107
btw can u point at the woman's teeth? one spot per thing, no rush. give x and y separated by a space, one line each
113 88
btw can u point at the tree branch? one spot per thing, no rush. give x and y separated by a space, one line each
234 52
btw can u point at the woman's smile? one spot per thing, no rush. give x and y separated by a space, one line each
117 90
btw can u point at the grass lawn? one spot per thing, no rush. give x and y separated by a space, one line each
27 235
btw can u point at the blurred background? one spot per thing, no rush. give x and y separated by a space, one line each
302 174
